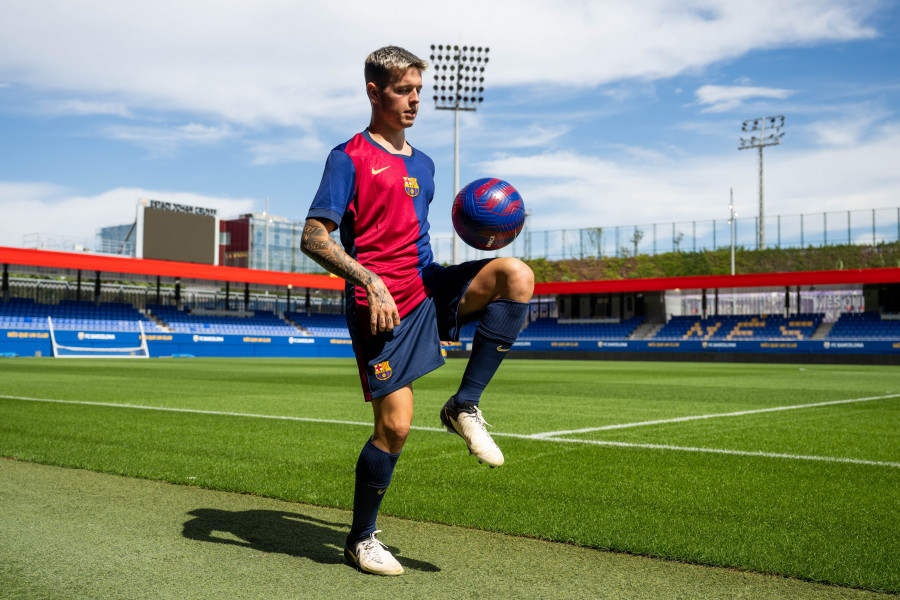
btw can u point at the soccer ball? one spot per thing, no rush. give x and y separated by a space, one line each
488 214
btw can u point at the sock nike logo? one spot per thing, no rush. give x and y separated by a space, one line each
502 349
380 492
374 172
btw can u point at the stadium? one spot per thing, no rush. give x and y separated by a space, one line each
719 438
697 404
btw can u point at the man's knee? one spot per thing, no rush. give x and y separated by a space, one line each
392 433
397 430
518 278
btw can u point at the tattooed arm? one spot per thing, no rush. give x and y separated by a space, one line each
317 244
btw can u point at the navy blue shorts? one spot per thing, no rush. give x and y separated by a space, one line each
389 361
448 285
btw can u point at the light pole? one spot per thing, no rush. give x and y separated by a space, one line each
731 222
761 124
458 85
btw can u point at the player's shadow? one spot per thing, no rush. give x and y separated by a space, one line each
281 532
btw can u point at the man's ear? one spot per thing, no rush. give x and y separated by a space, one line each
373 92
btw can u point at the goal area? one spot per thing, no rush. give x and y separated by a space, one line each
63 351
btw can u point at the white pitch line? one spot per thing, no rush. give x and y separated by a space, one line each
184 410
520 436
553 434
854 461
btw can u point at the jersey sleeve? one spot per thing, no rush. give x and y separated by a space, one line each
336 189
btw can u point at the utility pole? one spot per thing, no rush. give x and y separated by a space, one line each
731 222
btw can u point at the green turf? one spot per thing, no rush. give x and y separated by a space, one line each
828 522
71 534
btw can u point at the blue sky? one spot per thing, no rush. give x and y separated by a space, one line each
601 113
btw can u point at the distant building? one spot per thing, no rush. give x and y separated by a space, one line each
117 239
243 243
251 241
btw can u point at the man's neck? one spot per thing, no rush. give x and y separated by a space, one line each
392 141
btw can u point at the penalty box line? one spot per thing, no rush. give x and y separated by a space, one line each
540 438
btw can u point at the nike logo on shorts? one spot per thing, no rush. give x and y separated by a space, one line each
376 172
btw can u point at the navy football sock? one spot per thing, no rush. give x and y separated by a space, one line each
500 325
373 475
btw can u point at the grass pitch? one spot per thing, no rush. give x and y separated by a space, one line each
599 454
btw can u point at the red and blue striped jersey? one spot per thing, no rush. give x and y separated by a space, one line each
380 202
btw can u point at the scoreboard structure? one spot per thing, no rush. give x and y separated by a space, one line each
178 232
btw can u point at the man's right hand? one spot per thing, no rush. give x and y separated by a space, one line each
383 314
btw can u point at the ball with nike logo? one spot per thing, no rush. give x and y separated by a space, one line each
488 214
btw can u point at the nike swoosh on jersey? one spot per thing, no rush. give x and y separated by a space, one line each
376 172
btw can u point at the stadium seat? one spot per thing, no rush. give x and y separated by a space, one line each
740 328
74 314
320 325
260 323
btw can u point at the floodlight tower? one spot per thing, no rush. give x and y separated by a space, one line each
458 85
761 125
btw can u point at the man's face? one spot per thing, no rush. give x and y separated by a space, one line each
399 101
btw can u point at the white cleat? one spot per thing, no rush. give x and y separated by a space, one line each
466 421
372 556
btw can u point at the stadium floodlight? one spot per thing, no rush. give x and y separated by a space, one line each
458 85
761 125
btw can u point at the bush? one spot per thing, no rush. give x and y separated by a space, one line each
718 262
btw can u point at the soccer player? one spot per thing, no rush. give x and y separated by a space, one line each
400 304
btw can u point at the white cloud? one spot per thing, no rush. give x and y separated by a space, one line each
50 210
849 125
534 136
303 149
165 140
77 107
565 190
721 98
291 63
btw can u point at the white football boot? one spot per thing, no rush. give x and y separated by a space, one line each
372 556
466 421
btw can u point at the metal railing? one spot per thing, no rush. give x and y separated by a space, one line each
860 227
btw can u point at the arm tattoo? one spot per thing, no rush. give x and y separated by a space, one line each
319 246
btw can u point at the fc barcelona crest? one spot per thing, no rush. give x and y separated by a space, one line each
383 369
412 186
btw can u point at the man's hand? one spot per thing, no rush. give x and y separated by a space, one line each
383 315
316 243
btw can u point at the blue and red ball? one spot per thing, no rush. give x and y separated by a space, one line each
488 214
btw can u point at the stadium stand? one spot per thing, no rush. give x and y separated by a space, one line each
548 328
323 325
25 313
864 326
741 327
261 323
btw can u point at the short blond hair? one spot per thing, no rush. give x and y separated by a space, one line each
386 64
